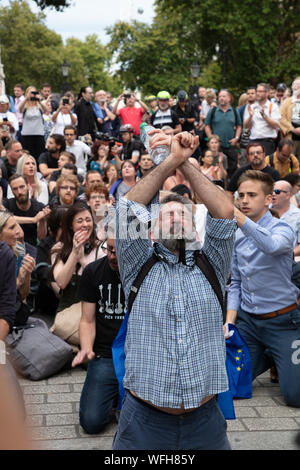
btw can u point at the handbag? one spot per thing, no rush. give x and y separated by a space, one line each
66 325
35 352
245 138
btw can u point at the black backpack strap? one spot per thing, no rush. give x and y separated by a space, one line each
203 263
271 160
139 279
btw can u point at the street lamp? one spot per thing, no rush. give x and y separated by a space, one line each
193 91
65 70
195 70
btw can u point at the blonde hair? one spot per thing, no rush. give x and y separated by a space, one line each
243 99
20 171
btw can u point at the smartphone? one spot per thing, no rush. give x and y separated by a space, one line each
5 119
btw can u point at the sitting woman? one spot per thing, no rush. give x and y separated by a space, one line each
220 159
211 171
78 246
126 182
10 233
99 159
110 175
26 166
46 300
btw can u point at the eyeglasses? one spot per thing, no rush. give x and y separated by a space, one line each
108 250
278 191
65 188
98 196
258 152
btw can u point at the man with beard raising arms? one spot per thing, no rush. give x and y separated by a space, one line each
175 353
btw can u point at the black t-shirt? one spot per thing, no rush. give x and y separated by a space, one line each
133 146
47 159
101 285
232 186
187 113
7 169
30 230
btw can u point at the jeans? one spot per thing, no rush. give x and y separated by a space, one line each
278 339
100 391
143 427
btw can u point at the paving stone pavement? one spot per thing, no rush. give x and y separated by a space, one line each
263 422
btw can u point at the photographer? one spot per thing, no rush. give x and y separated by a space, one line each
8 120
130 114
63 116
103 111
33 124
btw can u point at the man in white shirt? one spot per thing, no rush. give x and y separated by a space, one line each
262 118
78 148
8 119
281 203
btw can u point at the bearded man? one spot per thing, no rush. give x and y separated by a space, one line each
175 353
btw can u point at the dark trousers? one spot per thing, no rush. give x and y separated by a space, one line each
99 393
275 339
143 427
35 144
232 157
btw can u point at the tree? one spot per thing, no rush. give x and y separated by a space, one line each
59 5
252 40
31 53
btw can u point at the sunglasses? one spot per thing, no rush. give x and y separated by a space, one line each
278 191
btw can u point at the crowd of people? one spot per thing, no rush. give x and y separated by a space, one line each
71 167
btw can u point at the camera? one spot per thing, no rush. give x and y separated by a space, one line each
65 101
4 119
127 95
107 139
34 96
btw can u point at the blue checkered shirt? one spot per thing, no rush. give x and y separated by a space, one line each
175 347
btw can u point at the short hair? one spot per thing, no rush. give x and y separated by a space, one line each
46 85
70 156
90 172
17 176
70 128
251 87
264 85
284 142
257 144
9 144
59 140
292 178
213 136
257 175
99 188
71 179
182 189
70 166
18 85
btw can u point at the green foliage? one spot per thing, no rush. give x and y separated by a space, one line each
32 54
236 43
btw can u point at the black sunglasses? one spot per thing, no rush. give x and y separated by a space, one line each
278 191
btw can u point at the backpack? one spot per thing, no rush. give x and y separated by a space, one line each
213 112
271 160
118 344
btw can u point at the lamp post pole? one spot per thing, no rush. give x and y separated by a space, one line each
2 76
193 91
65 70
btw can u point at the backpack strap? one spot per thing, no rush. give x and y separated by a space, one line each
139 279
201 261
210 274
271 160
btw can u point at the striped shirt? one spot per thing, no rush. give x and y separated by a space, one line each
175 347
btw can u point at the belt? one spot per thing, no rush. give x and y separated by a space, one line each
265 316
